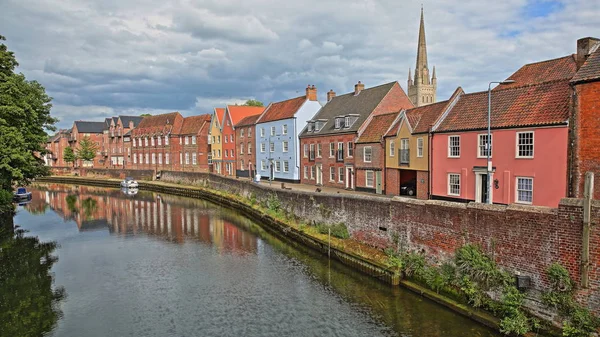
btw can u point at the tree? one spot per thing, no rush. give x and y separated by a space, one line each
69 155
253 102
24 120
87 149
145 115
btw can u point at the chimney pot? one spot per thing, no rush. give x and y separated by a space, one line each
311 93
584 47
330 95
358 88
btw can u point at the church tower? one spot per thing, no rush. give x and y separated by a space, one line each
422 89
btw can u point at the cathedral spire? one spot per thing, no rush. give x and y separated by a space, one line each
421 52
423 90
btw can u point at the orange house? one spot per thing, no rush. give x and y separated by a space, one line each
233 115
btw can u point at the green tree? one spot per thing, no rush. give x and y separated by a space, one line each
87 149
24 120
69 155
145 115
253 102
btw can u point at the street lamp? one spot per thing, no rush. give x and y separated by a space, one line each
489 140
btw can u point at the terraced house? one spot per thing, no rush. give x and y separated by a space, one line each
246 147
278 128
117 141
216 146
154 142
95 132
407 144
327 142
233 115
193 140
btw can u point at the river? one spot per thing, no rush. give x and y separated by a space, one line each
153 264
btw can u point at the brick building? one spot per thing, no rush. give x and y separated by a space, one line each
56 146
193 138
95 132
246 146
117 141
233 114
369 154
336 127
156 141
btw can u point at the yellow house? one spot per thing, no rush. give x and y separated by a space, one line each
407 148
214 139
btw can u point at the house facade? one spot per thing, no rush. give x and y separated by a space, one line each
117 141
233 115
370 154
193 140
338 122
156 141
246 147
216 146
56 146
277 131
95 132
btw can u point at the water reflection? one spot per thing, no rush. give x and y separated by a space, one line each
28 302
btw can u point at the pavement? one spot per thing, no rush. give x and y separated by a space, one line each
312 188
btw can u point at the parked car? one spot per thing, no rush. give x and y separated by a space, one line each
408 188
129 182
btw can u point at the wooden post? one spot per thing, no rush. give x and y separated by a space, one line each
588 195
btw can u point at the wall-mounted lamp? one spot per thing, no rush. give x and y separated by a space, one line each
496 184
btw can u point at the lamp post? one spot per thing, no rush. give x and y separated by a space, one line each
488 148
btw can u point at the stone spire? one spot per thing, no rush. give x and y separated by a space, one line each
410 81
422 90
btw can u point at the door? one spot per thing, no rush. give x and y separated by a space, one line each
349 178
378 182
319 174
484 186
481 188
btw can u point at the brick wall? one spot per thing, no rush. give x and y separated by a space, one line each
117 173
524 239
326 161
395 100
377 164
423 185
392 181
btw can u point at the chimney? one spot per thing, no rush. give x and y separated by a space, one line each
584 48
358 87
330 95
311 93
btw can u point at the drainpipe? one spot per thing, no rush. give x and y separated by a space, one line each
430 163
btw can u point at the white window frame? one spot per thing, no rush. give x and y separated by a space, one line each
481 154
341 176
532 145
249 148
166 158
231 138
338 123
194 159
450 146
160 157
332 173
365 154
350 151
285 146
372 184
332 150
262 132
193 140
284 129
159 140
272 130
187 140
249 131
135 159
347 122
226 139
449 185
313 169
141 158
319 150
147 158
263 147
166 140
262 165
517 191
272 147
305 151
241 133
187 158
305 171
392 148
241 148
151 141
286 166
420 144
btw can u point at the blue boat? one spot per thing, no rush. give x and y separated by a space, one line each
21 194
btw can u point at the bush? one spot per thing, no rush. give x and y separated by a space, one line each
471 261
338 230
6 205
414 264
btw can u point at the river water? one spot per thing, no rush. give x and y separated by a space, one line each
153 264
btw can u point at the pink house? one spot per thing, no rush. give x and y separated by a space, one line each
529 141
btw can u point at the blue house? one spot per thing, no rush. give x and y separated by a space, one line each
277 130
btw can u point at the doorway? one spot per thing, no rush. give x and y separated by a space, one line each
378 187
349 178
320 175
481 184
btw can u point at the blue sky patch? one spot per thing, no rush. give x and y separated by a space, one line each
542 8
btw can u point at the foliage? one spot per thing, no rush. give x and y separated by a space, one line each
72 203
87 149
253 102
90 206
24 119
515 320
414 264
6 206
472 262
69 155
273 203
338 230
580 323
145 115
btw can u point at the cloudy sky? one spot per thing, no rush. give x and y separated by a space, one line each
99 58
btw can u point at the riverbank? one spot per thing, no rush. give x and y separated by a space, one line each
361 257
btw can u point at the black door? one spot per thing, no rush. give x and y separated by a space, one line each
484 186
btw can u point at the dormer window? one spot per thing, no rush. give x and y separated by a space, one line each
338 123
347 121
311 126
318 125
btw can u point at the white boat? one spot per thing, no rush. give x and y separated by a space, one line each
129 191
129 182
22 194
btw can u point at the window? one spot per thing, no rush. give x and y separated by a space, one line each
319 150
453 184
340 154
135 159
231 138
187 158
286 166
482 146
134 142
305 151
160 158
272 131
331 150
284 129
305 172
262 132
350 149
249 148
369 178
285 146
166 158
159 139
249 132
194 159
218 139
340 174
242 135
227 122
145 141
338 123
312 152
147 158
392 148
272 147
524 190
186 140
347 121
180 158
242 164
226 153
180 140
263 147
166 140
277 166
454 146
525 144
404 151
213 140
152 141
218 153
262 165
226 140
419 147
313 170
141 159
194 140
367 153
208 158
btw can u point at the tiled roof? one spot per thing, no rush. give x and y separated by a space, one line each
250 120
239 112
220 113
191 125
377 127
393 129
126 119
169 122
542 104
90 127
282 110
544 71
590 70
361 105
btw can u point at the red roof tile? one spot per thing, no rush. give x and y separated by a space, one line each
590 70
544 71
238 112
541 104
193 124
377 128
282 110
393 129
170 122
250 120
220 113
